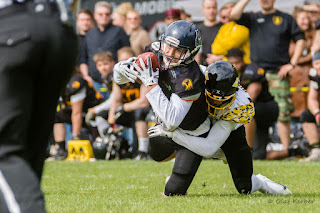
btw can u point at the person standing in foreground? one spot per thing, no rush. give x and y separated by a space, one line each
270 33
37 54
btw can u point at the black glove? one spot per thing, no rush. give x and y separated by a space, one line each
119 111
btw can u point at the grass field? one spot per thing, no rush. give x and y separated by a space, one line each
136 186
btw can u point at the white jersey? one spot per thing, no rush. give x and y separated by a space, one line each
241 111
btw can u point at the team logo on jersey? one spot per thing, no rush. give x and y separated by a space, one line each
277 20
260 71
187 83
75 84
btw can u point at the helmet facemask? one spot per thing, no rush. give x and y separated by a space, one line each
180 53
219 100
218 105
185 38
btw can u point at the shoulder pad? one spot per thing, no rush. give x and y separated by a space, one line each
242 114
241 110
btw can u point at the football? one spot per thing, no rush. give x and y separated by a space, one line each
154 60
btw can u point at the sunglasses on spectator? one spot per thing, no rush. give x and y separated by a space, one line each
106 14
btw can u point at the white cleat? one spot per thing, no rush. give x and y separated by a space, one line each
314 156
273 187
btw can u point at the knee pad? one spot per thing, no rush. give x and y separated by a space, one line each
160 148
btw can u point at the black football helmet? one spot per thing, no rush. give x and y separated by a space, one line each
186 37
221 82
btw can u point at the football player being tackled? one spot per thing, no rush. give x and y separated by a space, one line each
177 96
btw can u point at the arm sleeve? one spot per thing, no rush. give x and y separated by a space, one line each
171 112
245 19
83 56
104 105
296 32
206 147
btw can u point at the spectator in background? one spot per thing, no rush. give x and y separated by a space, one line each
299 79
119 14
128 107
185 16
84 22
311 117
271 31
104 37
79 96
171 15
139 37
209 29
313 10
160 26
266 109
230 35
316 41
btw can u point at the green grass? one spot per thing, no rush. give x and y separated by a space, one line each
136 186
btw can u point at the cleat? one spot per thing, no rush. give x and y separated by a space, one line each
273 187
314 155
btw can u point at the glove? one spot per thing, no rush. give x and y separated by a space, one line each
89 117
122 71
158 130
119 111
147 76
126 69
317 118
220 155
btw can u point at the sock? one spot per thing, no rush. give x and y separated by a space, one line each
257 184
61 145
316 145
292 152
143 144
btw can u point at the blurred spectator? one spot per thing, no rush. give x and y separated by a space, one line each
84 22
230 35
104 37
171 15
128 108
79 96
119 14
316 41
299 80
313 10
185 16
209 29
235 57
160 26
271 31
138 36
311 117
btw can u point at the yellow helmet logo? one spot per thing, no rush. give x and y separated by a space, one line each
187 83
277 20
76 84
